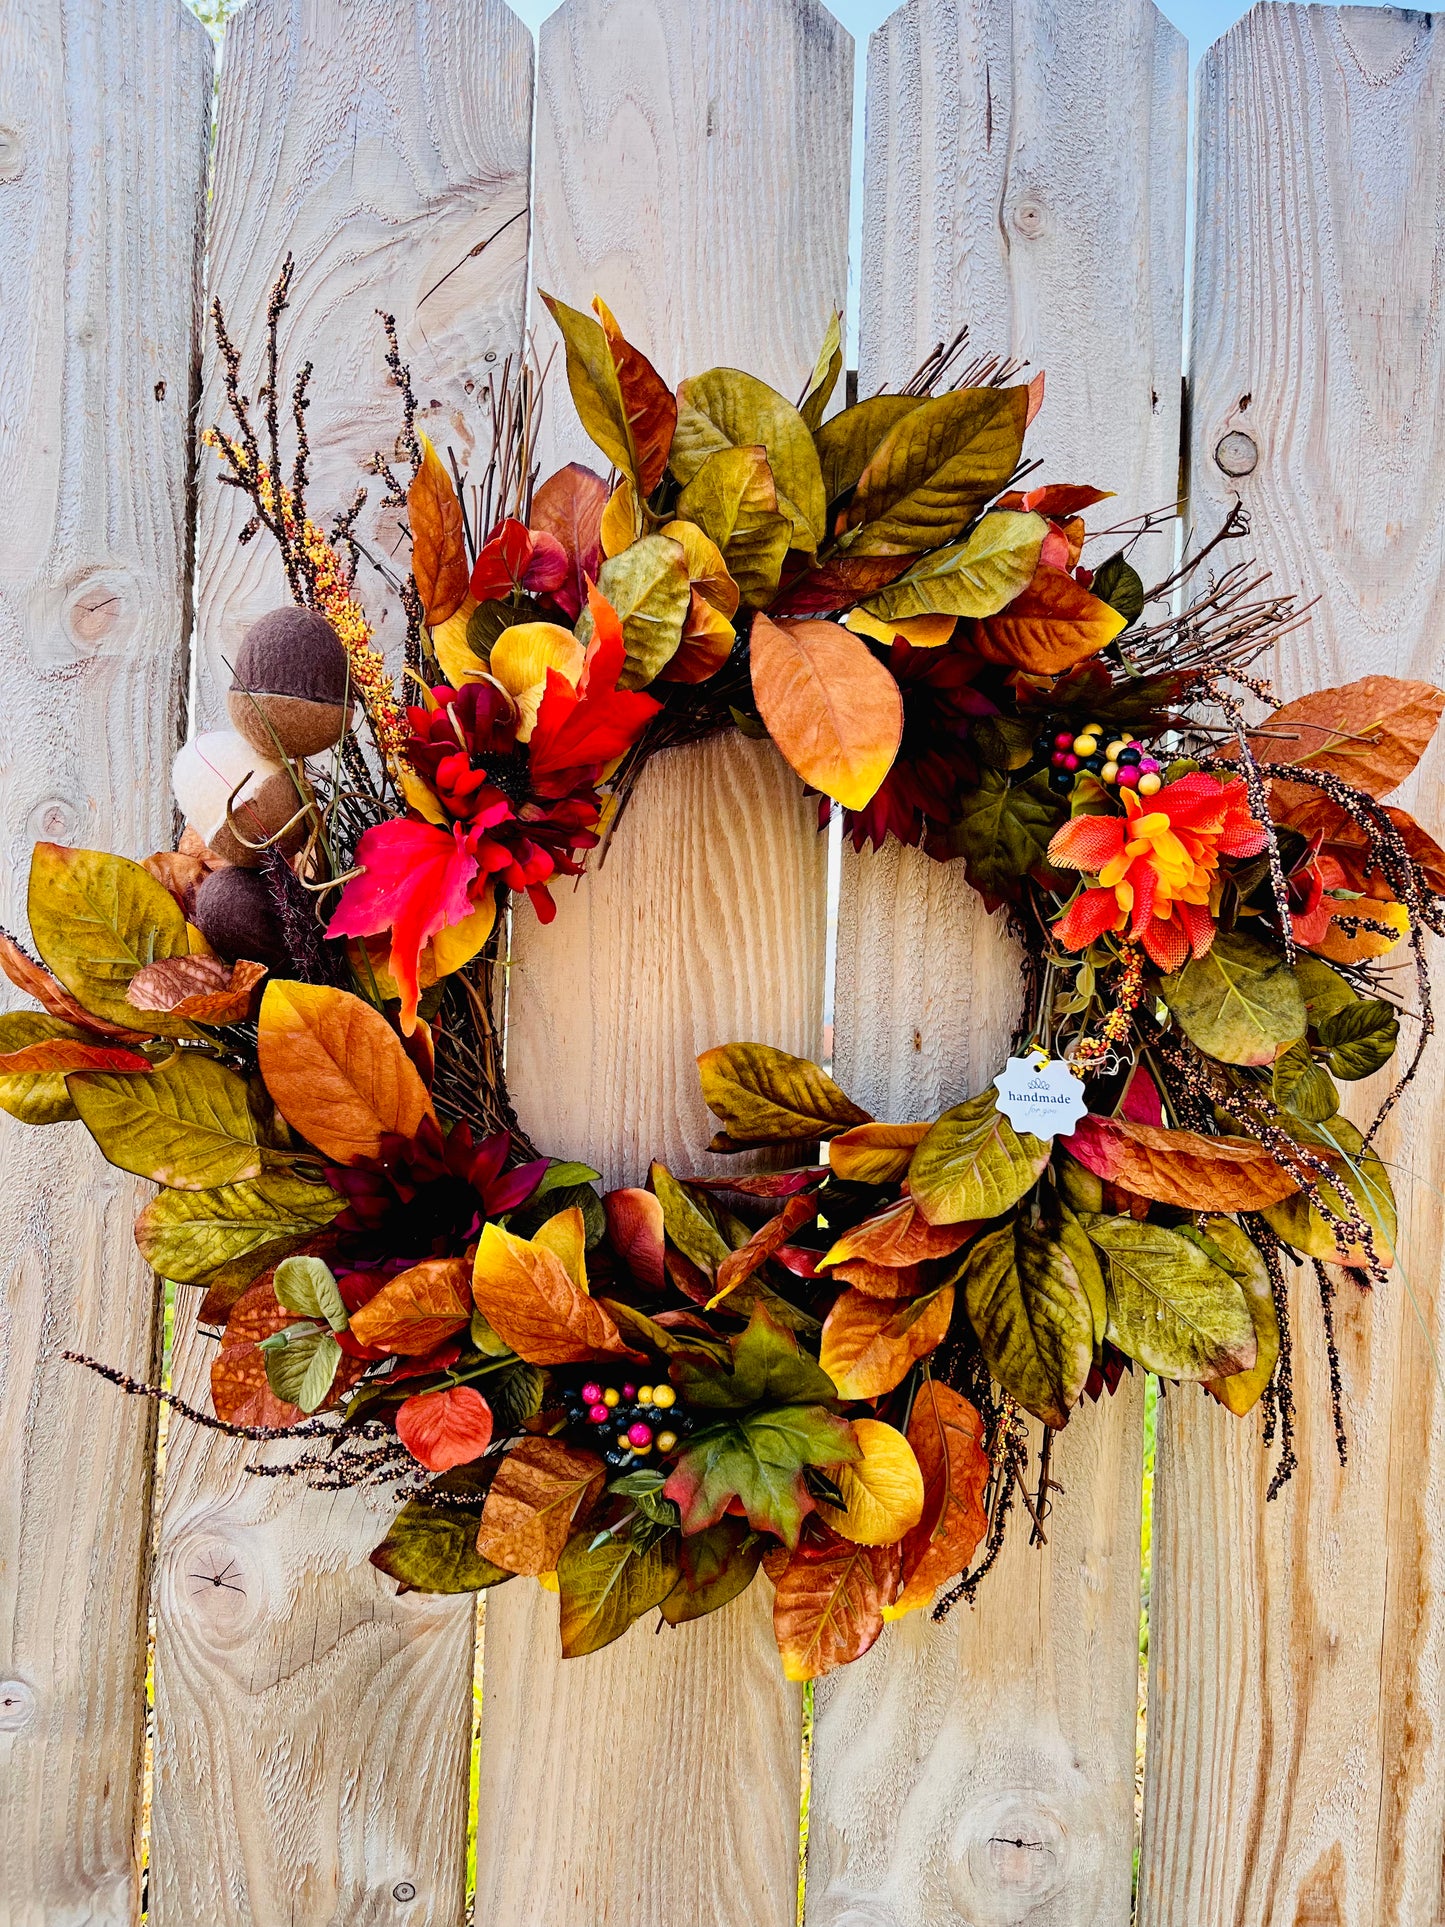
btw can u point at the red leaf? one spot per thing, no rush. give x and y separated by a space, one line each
650 404
634 1224
839 583
443 1429
1142 1104
36 981
568 506
1056 500
70 1054
547 569
501 562
414 881
591 724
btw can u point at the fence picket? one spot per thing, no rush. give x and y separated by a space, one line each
984 1770
104 107
692 167
312 1727
1295 1745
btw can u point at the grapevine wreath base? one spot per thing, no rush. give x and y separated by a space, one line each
824 1365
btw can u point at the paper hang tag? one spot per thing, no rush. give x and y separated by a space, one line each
1041 1095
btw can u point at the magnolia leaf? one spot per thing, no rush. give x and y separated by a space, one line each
647 404
431 1545
850 438
97 920
36 1097
1301 1085
1359 1039
337 1070
897 1236
635 1231
1118 582
1075 1241
880 1281
308 1287
1241 1003
768 1096
568 506
767 1367
189 1125
52 996
417 1310
690 1221
874 1153
445 1428
605 1587
648 586
515 1395
1357 1179
758 1459
1170 1306
725 408
973 1164
975 577
596 391
714 1566
1032 1316
1229 1247
1050 626
733 499
188 1235
1370 733
828 1608
1182 1168
525 1293
438 550
1003 832
946 1434
300 1370
748 1258
203 990
870 1344
59 1053
882 1489
830 705
824 378
935 469
540 1488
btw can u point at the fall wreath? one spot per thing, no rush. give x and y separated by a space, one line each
825 1367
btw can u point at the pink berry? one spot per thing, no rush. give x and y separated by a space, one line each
1148 766
1128 775
1063 739
598 1413
629 1391
639 1434
1071 762
1059 757
591 1392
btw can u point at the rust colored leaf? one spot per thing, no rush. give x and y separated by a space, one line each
828 1608
1314 815
839 583
445 1429
875 1153
1056 499
239 1392
48 991
946 1434
649 403
740 1265
881 1281
899 1235
1182 1168
634 1224
204 990
568 506
1370 733
869 1344
829 704
336 1070
524 1292
438 550
540 1487
1050 627
70 1054
417 1309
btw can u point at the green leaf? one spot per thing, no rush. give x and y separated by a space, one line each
97 920
528 1218
562 1172
733 499
1360 1038
36 1097
432 1546
1033 1319
715 1566
973 1164
824 378
1240 1004
189 1125
1231 1248
936 469
605 1588
1085 1260
1301 1085
1170 1306
846 442
768 1096
301 1363
1119 583
596 391
975 577
1003 832
1003 742
767 1367
645 1490
728 409
1325 990
649 587
488 621
1357 1177
759 1460
189 1235
307 1287
689 1221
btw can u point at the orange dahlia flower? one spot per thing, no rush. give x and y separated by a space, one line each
1156 866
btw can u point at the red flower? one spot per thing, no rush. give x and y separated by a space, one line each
426 1197
579 731
920 794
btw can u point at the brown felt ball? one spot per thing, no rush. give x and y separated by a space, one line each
235 915
289 684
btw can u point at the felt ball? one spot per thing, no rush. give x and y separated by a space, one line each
597 1413
235 915
610 1396
289 684
667 1441
591 1392
1063 739
1085 745
639 1434
1071 761
1112 750
1148 766
1130 753
209 771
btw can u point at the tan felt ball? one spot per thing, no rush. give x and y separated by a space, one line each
289 684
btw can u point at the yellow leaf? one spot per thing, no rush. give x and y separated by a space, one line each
922 632
521 657
883 1488
459 942
621 522
870 1344
875 1153
829 704
420 798
706 568
566 1235
460 663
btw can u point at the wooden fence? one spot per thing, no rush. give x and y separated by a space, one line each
1025 172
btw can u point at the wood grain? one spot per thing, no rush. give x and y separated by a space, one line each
1024 173
1295 1770
104 110
692 167
312 1727
381 144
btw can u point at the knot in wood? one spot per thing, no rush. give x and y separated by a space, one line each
1237 453
17 1705
12 154
1010 1854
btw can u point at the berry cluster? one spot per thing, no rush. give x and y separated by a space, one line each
627 1423
1123 761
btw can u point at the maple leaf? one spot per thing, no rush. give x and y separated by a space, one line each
414 881
595 722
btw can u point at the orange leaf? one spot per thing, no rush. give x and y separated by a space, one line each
540 1487
634 1224
900 1235
417 1309
70 1054
830 706
438 550
443 1429
1183 1168
946 1434
336 1070
649 403
202 989
881 1281
875 1153
739 1265
1050 627
828 1608
524 1292
1314 815
36 981
1370 733
240 1393
869 1345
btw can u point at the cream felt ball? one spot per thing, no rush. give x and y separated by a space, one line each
289 684
207 773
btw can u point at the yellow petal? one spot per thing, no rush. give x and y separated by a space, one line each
420 798
923 632
566 1236
521 657
460 663
621 523
460 942
883 1489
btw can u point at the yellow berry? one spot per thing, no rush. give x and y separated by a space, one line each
1113 750
611 1396
666 1441
1149 784
1086 746
664 1396
644 1395
1110 772
642 1450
